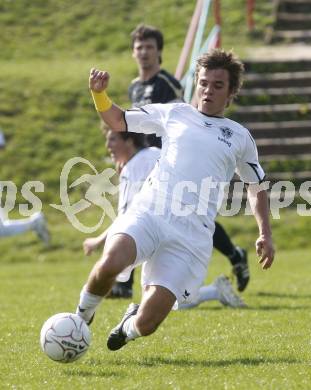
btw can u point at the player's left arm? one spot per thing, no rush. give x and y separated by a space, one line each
251 172
92 243
258 200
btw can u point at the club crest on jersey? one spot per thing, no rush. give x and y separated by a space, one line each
226 132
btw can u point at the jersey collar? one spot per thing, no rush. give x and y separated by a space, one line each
212 116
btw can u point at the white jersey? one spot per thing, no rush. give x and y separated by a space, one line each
199 153
133 175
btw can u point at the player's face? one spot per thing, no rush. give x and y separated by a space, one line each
212 91
117 147
146 53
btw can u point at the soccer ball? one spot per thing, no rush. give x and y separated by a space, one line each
65 337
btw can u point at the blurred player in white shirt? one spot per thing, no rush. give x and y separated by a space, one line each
171 220
134 161
13 227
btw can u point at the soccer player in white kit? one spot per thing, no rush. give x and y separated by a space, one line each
135 161
171 221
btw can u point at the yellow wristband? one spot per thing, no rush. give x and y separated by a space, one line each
101 101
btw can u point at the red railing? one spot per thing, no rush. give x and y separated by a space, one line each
217 17
250 7
196 29
189 40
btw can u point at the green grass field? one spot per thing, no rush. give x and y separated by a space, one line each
266 346
47 48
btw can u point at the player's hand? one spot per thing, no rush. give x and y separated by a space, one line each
89 245
265 251
98 80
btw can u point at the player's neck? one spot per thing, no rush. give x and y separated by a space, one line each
146 74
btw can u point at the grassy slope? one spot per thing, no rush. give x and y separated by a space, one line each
47 48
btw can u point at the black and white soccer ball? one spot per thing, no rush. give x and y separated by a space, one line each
65 337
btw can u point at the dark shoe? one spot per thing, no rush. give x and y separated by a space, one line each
241 270
117 338
90 320
120 291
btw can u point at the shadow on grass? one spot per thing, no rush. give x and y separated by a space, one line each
52 247
156 361
279 307
279 295
94 372
254 308
36 243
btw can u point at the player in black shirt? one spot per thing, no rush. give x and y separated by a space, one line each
161 88
153 85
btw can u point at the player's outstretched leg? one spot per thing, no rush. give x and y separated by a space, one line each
241 270
236 255
220 290
227 296
40 227
143 319
119 253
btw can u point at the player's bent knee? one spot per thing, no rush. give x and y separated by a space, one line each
116 260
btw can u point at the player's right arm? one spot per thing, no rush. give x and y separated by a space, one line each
148 119
110 113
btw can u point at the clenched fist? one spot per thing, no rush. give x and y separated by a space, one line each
98 80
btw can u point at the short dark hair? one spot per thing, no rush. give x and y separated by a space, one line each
143 31
220 59
138 139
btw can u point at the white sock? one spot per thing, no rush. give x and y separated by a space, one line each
87 304
208 293
130 330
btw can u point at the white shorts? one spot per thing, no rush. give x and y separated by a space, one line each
174 253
